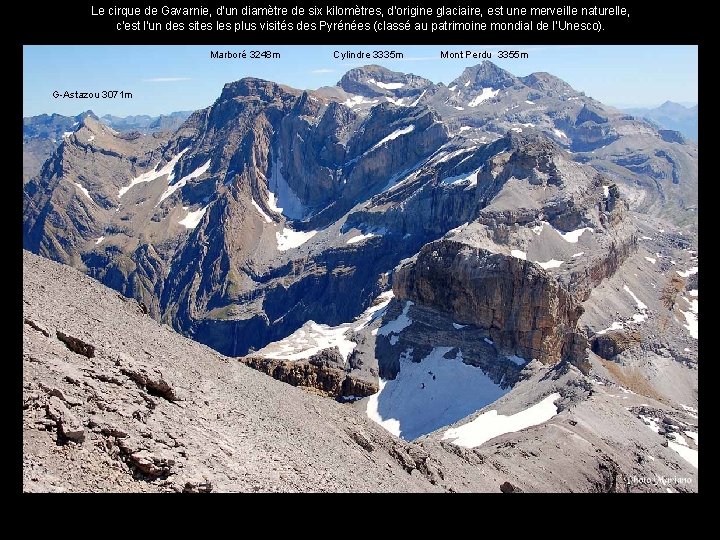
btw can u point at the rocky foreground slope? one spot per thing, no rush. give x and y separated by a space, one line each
114 401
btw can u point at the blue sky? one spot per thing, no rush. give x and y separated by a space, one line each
163 79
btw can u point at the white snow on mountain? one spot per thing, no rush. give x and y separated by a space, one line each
430 394
394 135
687 273
152 174
360 238
267 218
552 263
193 218
491 424
312 337
386 86
399 324
290 238
486 94
202 169
359 100
281 198
84 190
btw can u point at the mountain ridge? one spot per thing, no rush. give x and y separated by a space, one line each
338 239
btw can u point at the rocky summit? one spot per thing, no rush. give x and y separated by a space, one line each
490 285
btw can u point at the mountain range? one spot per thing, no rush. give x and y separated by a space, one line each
42 134
419 252
673 116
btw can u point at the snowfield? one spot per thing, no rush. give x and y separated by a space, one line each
431 394
491 424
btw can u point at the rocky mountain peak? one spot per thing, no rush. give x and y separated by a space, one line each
532 144
672 107
547 83
93 123
374 80
485 75
251 86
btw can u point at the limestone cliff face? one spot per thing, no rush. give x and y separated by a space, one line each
521 306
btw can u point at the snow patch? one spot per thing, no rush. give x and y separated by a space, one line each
573 236
153 174
399 324
486 94
358 100
465 178
688 273
552 263
360 238
488 341
519 254
282 199
576 255
651 260
448 156
517 360
414 103
614 326
311 338
457 326
289 238
84 190
261 212
491 424
386 86
650 422
464 128
376 309
692 323
308 340
639 303
91 138
193 218
99 240
430 394
529 102
398 102
181 183
688 454
394 135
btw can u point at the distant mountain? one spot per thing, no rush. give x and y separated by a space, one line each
42 134
146 124
671 115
